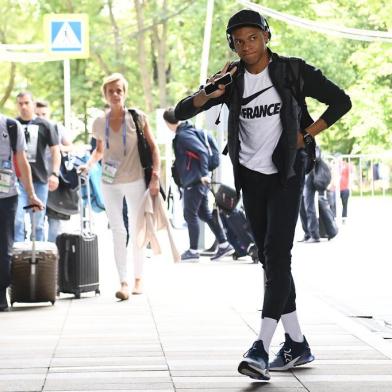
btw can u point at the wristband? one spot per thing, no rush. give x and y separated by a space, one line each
55 174
308 138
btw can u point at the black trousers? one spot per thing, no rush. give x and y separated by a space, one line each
272 211
7 219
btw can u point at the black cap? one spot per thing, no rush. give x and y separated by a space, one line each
246 18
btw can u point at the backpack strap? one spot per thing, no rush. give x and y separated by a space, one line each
12 129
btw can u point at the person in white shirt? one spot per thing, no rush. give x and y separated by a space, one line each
123 175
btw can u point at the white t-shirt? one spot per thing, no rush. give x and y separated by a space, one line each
260 125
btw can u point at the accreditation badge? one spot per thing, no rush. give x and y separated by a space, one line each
5 179
109 170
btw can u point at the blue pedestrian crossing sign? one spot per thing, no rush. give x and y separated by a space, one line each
67 35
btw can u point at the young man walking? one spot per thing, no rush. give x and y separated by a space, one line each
268 127
191 165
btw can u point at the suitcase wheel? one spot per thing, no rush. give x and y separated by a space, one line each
77 295
235 256
97 292
52 302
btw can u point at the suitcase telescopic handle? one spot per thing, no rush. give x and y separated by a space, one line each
84 180
33 228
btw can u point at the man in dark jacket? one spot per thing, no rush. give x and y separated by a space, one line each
268 128
191 164
12 156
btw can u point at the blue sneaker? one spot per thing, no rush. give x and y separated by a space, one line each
291 354
222 252
255 363
190 257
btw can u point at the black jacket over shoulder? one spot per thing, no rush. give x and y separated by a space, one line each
294 114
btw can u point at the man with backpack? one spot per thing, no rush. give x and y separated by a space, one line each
196 155
269 129
12 153
39 135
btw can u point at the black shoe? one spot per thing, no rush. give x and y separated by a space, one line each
227 250
255 363
3 301
211 250
291 354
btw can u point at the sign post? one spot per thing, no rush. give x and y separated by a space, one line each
67 37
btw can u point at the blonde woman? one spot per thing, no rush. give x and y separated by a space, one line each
123 175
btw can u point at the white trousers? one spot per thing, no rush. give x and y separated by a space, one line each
113 195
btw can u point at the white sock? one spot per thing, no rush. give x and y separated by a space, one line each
267 330
223 244
291 326
193 251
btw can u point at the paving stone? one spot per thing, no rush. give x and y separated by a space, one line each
251 387
202 383
26 382
23 363
108 361
93 386
349 387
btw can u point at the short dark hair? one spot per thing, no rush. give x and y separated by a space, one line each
41 104
169 116
23 93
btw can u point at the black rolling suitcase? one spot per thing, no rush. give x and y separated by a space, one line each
239 234
78 264
34 270
327 225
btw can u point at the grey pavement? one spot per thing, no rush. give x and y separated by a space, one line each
190 328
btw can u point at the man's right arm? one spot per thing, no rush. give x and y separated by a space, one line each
26 179
194 104
199 101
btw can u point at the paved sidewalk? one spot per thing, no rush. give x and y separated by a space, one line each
187 333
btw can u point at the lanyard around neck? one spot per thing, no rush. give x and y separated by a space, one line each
124 131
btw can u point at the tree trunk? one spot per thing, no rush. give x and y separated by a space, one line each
10 86
142 58
160 45
118 48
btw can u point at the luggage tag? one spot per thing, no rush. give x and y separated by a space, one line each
109 170
5 176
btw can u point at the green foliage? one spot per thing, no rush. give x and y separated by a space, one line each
363 69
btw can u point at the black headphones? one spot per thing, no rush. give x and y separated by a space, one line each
246 18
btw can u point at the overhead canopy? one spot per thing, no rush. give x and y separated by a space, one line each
25 54
344 32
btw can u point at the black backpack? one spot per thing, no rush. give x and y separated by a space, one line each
212 148
12 130
321 175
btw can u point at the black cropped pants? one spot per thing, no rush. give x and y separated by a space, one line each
272 211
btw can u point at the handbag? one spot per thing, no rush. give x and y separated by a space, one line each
144 150
63 200
143 147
